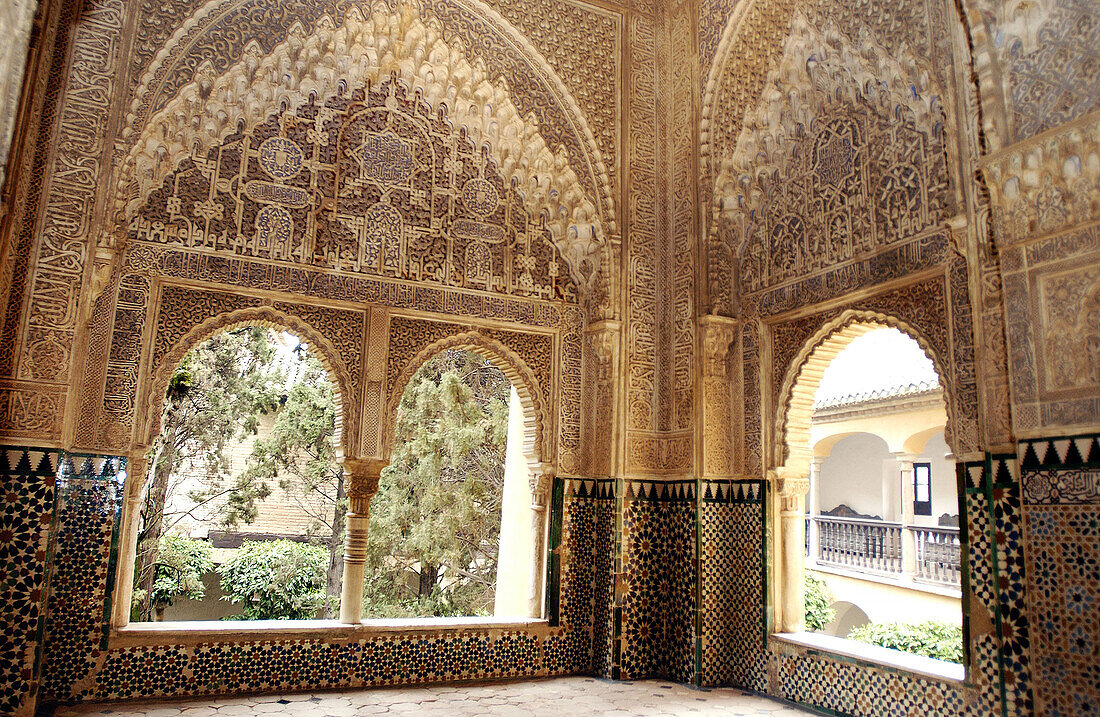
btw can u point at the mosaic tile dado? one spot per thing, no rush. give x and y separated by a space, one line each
1061 532
25 517
681 541
846 687
732 624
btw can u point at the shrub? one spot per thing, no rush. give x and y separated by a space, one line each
181 563
276 579
940 640
818 612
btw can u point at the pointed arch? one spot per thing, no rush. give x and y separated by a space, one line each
791 448
537 431
270 318
368 46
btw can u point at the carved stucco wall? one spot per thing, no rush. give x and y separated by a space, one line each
192 80
819 158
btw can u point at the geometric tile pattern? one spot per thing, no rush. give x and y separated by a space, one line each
1011 605
78 666
25 516
1030 538
848 687
88 495
734 638
1061 511
658 601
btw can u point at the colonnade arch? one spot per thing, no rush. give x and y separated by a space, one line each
534 439
362 472
138 461
793 451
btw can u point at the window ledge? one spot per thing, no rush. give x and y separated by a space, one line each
876 656
193 632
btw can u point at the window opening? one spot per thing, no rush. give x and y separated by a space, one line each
450 526
880 567
243 506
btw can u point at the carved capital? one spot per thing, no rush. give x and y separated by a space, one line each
542 477
791 488
137 467
362 476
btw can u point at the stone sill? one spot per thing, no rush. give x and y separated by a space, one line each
892 580
875 656
196 632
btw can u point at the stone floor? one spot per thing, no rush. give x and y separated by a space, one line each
562 697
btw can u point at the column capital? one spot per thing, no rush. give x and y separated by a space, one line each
363 475
788 483
541 478
137 465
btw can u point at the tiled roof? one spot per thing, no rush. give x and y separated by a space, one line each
899 391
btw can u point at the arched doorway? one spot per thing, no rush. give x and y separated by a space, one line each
863 433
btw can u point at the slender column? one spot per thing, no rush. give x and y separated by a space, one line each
137 468
792 516
362 479
718 334
815 507
540 499
908 542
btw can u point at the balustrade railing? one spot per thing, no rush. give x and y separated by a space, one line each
860 544
877 545
938 554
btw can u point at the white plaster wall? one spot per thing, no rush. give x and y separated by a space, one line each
884 602
516 543
852 474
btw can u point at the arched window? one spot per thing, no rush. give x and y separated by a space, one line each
882 510
241 513
452 530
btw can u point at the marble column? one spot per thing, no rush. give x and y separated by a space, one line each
362 483
137 469
791 491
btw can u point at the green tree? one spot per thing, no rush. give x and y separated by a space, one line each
818 612
939 640
276 579
216 396
181 564
437 512
298 455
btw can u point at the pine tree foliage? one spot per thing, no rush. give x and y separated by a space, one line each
435 522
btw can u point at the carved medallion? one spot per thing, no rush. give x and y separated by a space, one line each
480 197
834 159
280 157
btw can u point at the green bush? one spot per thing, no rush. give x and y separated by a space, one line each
181 563
818 612
940 640
276 579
